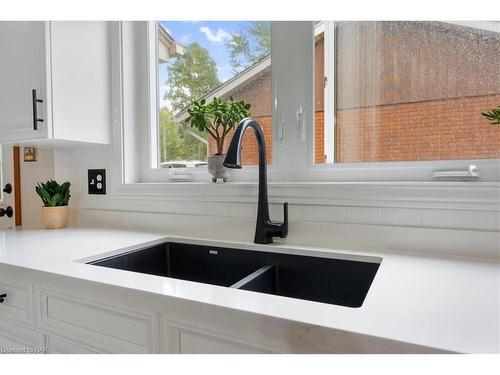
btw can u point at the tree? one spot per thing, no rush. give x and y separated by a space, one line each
217 118
249 45
190 77
177 141
170 141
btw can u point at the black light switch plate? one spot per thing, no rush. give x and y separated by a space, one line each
97 181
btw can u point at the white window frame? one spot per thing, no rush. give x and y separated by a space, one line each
373 171
293 176
150 170
303 167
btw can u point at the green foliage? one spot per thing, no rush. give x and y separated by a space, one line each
190 77
53 194
249 45
177 141
217 118
493 115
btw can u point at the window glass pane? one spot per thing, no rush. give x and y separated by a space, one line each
203 60
320 84
408 91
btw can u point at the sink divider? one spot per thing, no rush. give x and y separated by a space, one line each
263 280
252 276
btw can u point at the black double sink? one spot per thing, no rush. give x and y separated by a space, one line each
328 280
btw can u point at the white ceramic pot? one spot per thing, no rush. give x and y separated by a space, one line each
55 217
216 167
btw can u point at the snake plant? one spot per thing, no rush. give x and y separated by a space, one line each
53 194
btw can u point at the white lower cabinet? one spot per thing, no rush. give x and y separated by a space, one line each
46 314
96 325
16 339
57 345
18 304
182 339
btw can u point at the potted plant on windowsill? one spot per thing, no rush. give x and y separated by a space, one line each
55 200
217 118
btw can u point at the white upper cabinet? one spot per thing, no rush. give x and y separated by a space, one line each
22 69
67 66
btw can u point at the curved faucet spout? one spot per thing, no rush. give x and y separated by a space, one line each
265 229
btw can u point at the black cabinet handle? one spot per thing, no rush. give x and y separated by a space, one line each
35 100
8 188
2 297
7 211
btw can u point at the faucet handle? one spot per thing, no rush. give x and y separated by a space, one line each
284 227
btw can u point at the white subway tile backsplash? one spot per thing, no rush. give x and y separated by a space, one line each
462 219
436 218
335 214
229 209
482 220
296 212
401 216
364 215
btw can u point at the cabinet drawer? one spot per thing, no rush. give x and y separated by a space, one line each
18 304
107 328
17 339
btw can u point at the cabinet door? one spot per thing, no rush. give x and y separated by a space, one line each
17 339
56 345
185 338
22 69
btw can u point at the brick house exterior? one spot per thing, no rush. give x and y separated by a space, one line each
405 91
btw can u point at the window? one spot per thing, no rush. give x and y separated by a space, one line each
341 101
406 91
203 60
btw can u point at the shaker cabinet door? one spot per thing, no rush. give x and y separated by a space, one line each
22 70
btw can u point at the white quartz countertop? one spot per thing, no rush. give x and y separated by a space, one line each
447 304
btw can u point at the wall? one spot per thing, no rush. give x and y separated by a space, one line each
32 173
419 218
380 63
415 91
429 130
423 219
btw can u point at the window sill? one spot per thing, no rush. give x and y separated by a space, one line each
445 195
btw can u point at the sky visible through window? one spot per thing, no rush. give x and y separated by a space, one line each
211 35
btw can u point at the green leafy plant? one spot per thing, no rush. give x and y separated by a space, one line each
217 118
53 194
493 115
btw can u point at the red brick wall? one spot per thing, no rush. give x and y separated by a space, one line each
258 94
319 144
415 91
250 155
430 130
319 74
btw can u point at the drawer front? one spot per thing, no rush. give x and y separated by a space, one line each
20 340
56 345
18 305
95 325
